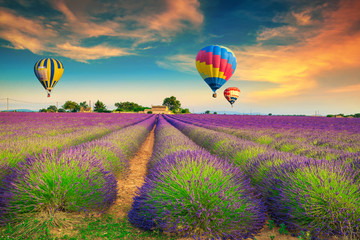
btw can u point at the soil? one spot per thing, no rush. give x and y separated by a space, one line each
128 186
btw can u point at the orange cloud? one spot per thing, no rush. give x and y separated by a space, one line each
347 89
332 44
78 23
83 54
24 33
269 33
165 23
172 20
83 26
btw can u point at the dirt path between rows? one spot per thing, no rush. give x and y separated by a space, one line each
128 186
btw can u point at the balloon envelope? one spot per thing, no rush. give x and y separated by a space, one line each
48 71
216 64
231 94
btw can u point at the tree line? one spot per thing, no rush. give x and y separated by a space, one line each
172 103
356 115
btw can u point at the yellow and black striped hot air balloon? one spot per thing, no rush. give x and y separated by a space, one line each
48 71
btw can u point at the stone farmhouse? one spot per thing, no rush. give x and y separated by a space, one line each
158 110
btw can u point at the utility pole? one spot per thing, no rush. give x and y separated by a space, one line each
7 104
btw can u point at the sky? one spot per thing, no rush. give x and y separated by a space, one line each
293 56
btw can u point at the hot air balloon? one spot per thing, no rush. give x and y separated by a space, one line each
216 64
48 71
231 94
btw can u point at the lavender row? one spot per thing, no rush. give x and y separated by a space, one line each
168 140
317 131
191 193
88 127
116 148
310 124
283 141
316 196
17 126
80 178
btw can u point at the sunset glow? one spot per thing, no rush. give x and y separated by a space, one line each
292 58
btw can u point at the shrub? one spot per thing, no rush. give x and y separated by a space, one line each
194 193
267 165
168 140
111 156
70 181
321 197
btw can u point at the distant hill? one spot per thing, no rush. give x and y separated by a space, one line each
18 110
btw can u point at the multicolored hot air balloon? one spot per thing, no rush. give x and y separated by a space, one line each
231 94
48 71
216 64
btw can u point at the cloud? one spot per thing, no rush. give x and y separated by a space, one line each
180 62
82 25
71 23
268 33
346 89
331 44
24 33
177 16
83 54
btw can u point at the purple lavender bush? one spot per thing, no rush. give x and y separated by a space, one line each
223 145
306 136
265 165
111 157
129 139
192 193
27 133
4 171
72 181
319 197
168 140
115 149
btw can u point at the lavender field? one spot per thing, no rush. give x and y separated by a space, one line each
209 176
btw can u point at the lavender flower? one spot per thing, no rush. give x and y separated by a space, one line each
70 181
196 194
318 196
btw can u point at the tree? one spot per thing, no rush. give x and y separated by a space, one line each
186 110
172 103
52 108
84 105
71 106
43 110
207 112
129 107
100 107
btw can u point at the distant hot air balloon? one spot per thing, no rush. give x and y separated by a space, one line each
216 64
231 94
48 71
